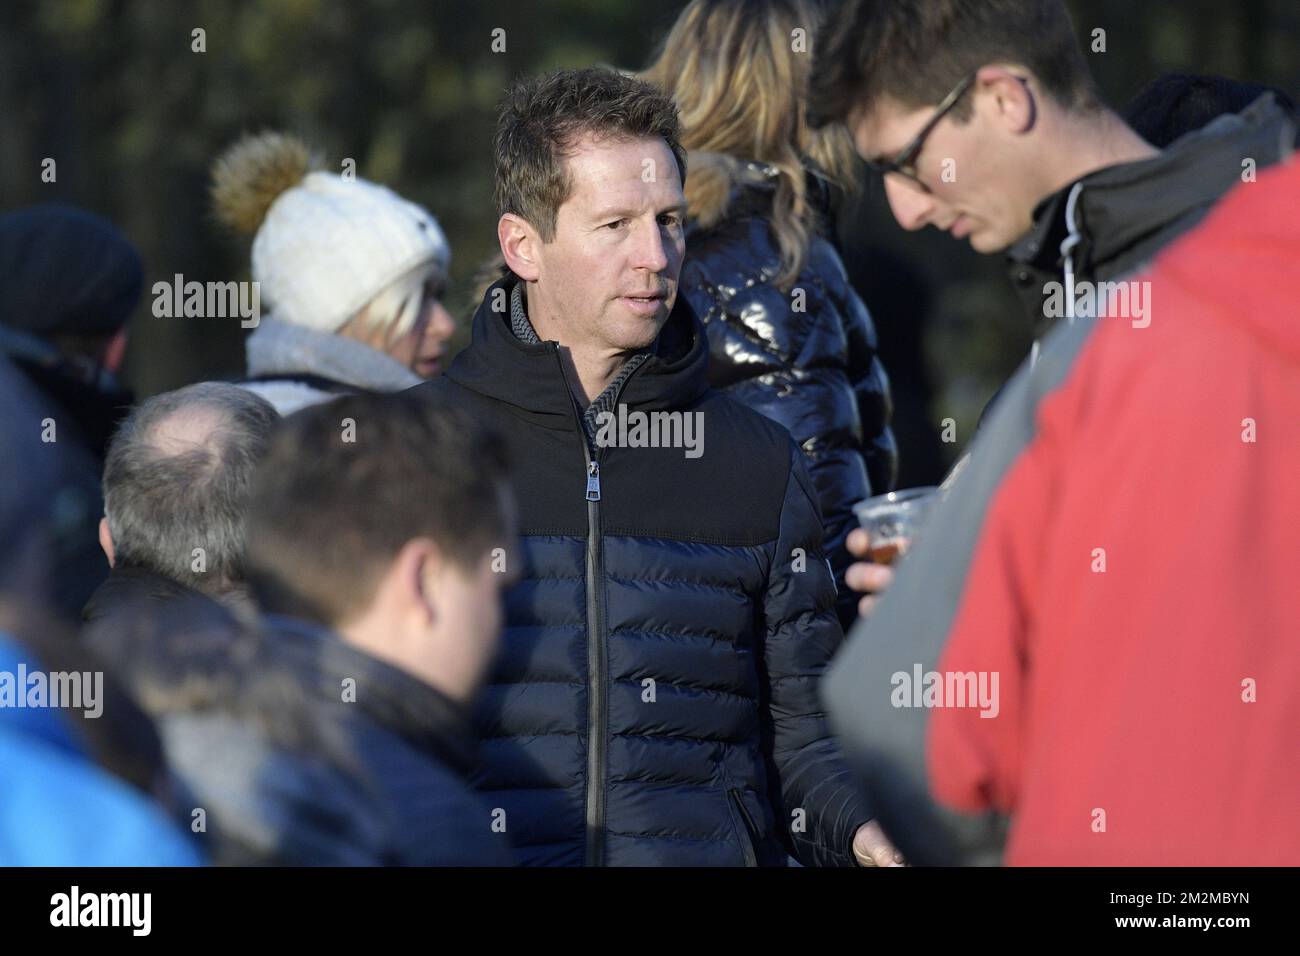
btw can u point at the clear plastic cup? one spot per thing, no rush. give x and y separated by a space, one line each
893 519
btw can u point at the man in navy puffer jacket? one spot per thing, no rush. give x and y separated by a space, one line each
655 699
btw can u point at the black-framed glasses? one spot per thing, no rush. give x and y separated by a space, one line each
905 162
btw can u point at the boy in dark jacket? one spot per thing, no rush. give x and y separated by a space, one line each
985 122
339 733
71 280
1119 703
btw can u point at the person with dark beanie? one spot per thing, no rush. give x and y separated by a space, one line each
71 281
80 784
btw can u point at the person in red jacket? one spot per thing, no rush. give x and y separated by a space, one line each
1094 639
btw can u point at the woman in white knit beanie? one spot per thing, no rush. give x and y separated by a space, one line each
351 276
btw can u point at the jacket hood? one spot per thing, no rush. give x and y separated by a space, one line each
1122 207
277 347
716 181
529 377
1243 258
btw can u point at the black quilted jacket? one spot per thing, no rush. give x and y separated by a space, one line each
807 361
655 701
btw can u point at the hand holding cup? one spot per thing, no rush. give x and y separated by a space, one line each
888 523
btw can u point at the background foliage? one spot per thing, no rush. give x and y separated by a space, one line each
133 117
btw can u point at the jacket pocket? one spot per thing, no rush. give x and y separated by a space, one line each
743 825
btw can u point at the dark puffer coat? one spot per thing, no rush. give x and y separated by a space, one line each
810 362
301 749
655 701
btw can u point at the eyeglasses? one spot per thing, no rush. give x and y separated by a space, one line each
905 162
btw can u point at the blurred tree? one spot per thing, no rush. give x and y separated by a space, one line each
117 92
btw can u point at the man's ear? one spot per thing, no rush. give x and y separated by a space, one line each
519 242
106 540
1006 98
418 568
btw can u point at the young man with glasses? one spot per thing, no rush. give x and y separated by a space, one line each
984 121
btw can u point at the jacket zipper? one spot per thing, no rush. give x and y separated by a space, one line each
597 716
596 722
743 826
597 728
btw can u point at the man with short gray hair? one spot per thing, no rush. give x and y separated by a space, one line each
175 486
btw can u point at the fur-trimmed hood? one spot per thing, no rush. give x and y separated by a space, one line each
715 180
719 186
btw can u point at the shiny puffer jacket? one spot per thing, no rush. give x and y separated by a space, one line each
807 361
655 698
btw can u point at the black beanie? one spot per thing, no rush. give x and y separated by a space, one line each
64 269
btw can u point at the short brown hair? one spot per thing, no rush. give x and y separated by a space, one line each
345 485
543 117
915 51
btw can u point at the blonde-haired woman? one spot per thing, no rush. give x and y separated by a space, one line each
788 335
351 276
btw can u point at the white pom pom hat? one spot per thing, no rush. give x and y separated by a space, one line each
329 245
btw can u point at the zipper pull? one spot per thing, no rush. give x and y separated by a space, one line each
593 481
